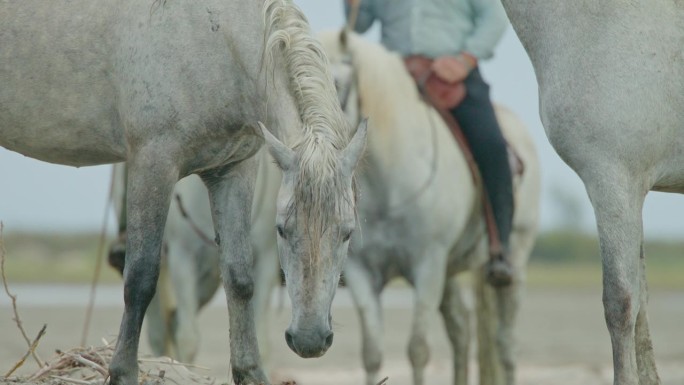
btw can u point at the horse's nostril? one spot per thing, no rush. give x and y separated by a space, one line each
290 341
329 340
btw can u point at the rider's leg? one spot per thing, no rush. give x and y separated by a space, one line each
478 121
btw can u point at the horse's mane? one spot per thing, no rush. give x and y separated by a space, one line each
319 187
384 85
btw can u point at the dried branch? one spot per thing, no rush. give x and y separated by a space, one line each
172 362
13 297
75 381
82 360
31 350
98 267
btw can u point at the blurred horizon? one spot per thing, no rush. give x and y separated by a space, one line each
38 196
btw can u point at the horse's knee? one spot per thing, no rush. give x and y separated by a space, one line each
418 351
240 282
140 284
372 357
618 304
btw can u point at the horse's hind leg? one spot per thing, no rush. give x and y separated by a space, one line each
496 310
183 273
618 217
367 300
158 316
150 183
648 374
230 194
456 318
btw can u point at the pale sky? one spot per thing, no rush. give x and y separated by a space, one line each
40 196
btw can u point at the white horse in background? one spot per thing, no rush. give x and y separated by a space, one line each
189 274
420 215
611 90
175 88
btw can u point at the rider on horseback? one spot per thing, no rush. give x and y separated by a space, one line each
442 43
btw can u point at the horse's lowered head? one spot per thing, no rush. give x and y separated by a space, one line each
315 220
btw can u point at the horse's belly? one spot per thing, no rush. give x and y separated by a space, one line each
57 99
73 125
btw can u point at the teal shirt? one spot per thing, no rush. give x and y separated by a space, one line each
435 28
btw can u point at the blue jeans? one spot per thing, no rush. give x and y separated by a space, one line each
475 115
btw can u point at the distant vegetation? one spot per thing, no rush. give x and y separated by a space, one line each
560 258
53 258
570 257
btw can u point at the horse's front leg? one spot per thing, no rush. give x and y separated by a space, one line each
150 183
230 194
366 295
618 217
456 317
428 279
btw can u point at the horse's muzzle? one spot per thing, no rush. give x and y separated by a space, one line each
310 343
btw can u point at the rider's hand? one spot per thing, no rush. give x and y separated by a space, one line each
449 69
453 69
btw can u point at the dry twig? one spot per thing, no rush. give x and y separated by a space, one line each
31 350
13 297
98 267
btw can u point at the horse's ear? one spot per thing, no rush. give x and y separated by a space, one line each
283 155
354 151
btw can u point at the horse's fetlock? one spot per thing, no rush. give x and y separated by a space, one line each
122 375
249 375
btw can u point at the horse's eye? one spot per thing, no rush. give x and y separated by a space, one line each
281 231
347 236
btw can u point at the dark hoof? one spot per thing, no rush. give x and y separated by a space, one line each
499 273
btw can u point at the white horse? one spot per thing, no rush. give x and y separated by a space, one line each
176 88
611 90
189 275
420 215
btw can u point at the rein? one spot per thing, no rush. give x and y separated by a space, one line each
192 223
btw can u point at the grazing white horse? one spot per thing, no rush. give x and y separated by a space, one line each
189 274
420 215
611 90
176 88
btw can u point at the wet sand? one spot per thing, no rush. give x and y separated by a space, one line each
562 337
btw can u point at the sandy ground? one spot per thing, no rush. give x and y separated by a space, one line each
562 336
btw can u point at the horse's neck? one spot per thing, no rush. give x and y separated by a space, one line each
282 109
